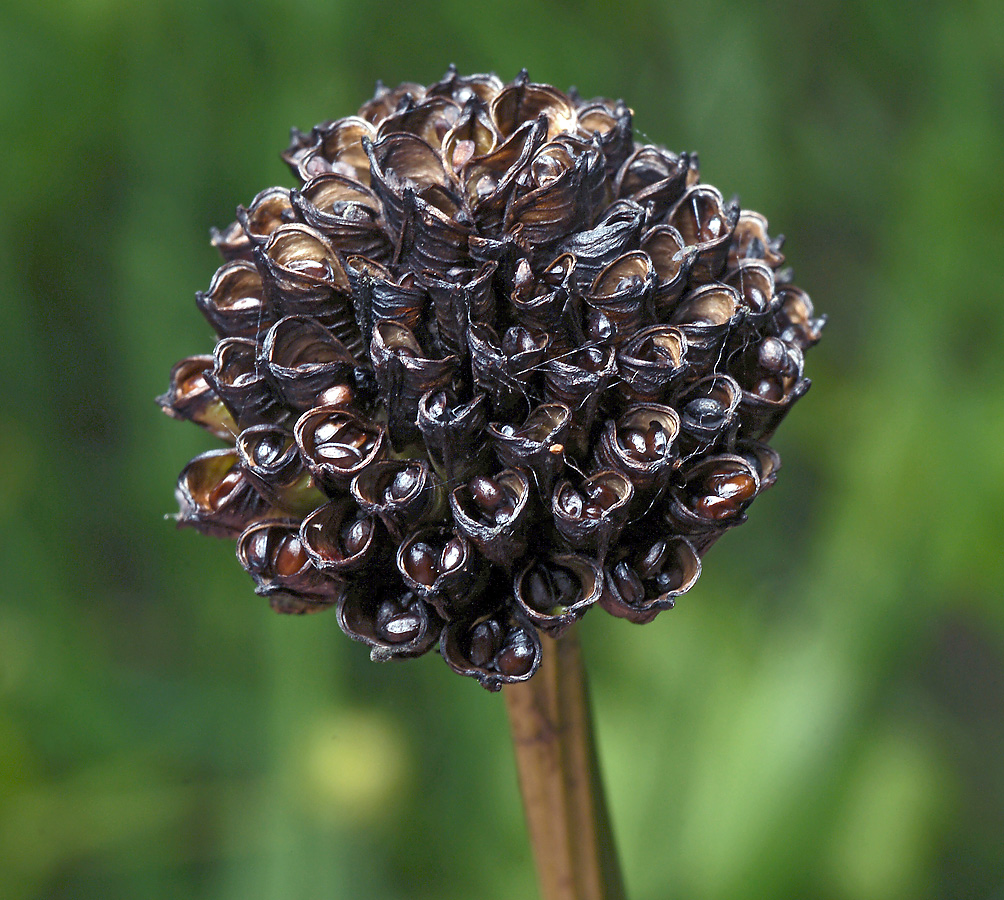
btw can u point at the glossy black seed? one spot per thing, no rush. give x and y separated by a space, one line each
484 642
516 658
705 412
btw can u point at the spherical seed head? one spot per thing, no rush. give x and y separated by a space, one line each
490 363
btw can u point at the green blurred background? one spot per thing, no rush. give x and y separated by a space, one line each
822 717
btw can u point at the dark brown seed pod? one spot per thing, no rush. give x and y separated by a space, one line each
592 516
770 375
274 556
610 122
473 135
523 101
642 445
639 587
234 305
404 373
623 293
454 433
394 624
239 381
376 295
464 88
504 369
495 513
578 380
706 223
272 463
402 492
654 176
190 397
463 297
751 241
707 316
269 209
347 213
753 281
713 493
652 363
299 260
537 446
614 234
303 360
215 497
546 304
231 242
337 147
796 319
336 445
340 538
709 413
387 101
764 458
429 121
497 648
555 589
671 260
443 568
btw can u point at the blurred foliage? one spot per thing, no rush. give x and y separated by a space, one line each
823 717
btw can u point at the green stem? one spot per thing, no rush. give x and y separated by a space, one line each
560 781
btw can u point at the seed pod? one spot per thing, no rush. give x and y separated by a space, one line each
765 459
273 555
770 375
523 101
642 445
345 212
465 296
454 433
639 587
240 383
234 305
753 282
671 260
612 236
652 363
536 446
394 625
191 397
403 493
337 147
796 319
269 209
712 496
272 463
231 242
592 517
387 101
497 648
611 123
555 589
495 514
376 295
547 304
623 293
504 369
303 360
652 176
215 497
706 224
578 380
404 373
337 445
342 539
443 568
707 316
709 413
429 121
464 88
750 241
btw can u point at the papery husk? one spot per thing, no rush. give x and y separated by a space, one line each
304 360
536 446
697 435
462 298
387 101
706 223
454 590
796 319
270 209
578 380
357 616
618 602
235 303
501 543
377 294
760 416
215 497
272 463
239 381
595 535
404 374
671 260
524 101
623 292
753 281
332 478
653 177
320 534
462 88
611 122
617 230
337 147
547 304
429 121
454 438
190 397
347 213
423 502
652 363
455 645
707 316
556 620
751 241
504 378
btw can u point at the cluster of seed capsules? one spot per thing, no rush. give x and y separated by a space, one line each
492 363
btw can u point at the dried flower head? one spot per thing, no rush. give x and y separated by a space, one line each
490 364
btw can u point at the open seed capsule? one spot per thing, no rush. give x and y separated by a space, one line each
707 316
653 175
555 589
334 147
706 223
272 463
270 209
465 296
652 363
304 360
537 446
796 318
751 241
495 514
240 383
345 212
402 492
337 445
578 380
340 538
709 413
215 497
623 293
234 304
497 648
671 260
505 369
592 516
611 237
190 397
454 433
394 624
770 375
442 567
640 586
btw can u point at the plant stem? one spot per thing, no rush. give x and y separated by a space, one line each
559 778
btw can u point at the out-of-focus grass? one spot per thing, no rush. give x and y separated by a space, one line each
823 716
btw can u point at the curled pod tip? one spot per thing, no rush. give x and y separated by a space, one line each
340 538
497 648
336 446
639 588
555 589
190 397
215 497
592 516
